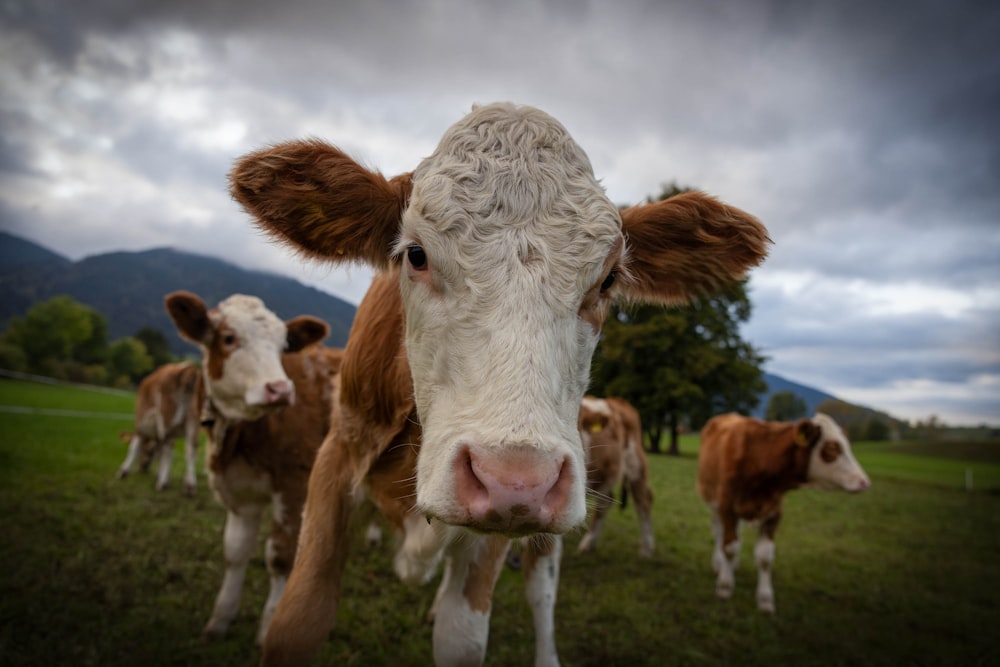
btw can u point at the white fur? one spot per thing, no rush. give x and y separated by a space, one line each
240 392
844 472
498 352
541 586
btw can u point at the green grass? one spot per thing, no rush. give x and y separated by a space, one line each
97 571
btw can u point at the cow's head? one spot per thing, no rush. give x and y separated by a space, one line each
595 417
832 465
241 344
509 256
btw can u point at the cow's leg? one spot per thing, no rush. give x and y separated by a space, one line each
601 504
419 555
166 450
279 553
239 540
542 555
134 445
643 497
190 457
725 558
763 553
462 611
308 606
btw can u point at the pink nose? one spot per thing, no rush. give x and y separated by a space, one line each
516 490
279 392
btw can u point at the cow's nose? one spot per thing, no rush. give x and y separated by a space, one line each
279 392
514 490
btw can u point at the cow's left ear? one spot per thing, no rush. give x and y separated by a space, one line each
305 330
687 245
807 433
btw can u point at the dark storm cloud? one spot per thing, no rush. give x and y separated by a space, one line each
862 133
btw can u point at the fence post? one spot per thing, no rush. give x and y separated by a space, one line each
968 480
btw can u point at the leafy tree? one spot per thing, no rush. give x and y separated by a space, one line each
683 363
52 331
785 406
128 361
93 350
156 344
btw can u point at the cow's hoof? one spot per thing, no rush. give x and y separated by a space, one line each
724 590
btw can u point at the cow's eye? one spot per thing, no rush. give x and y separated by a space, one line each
417 257
609 281
229 340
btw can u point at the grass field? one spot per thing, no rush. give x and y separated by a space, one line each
97 571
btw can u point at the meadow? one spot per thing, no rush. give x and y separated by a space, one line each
100 571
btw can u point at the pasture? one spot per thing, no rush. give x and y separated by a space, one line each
97 571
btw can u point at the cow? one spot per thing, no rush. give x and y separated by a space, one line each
497 261
268 392
746 466
611 432
166 408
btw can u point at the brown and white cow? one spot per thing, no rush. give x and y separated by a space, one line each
166 408
268 398
499 257
746 466
611 432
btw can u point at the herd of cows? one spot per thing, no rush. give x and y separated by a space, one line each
456 411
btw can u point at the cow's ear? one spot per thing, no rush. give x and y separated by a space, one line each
315 198
807 433
190 315
305 330
686 245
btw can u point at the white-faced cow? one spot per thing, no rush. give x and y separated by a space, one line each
268 397
746 466
499 257
166 408
611 432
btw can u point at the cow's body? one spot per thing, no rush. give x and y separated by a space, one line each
462 379
267 412
612 437
166 408
745 467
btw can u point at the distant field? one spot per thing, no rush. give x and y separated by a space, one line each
97 571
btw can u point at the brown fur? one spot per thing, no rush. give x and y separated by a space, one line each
616 456
283 444
747 465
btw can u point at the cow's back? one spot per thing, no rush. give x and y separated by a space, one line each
165 399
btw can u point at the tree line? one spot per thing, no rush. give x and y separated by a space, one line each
67 340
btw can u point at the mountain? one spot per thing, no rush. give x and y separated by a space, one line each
775 383
128 288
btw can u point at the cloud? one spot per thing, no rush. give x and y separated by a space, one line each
861 133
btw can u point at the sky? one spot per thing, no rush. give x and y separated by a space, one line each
864 134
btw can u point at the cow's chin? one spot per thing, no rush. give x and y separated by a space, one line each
240 410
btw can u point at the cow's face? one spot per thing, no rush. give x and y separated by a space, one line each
509 249
509 255
241 343
832 465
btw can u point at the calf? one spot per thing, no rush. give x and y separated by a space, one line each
166 408
612 438
268 396
746 466
498 259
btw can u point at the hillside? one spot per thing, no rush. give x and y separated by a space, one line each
775 383
128 288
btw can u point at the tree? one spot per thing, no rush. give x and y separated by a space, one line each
128 361
52 331
156 344
785 406
680 363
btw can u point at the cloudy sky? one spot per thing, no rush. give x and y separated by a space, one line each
865 134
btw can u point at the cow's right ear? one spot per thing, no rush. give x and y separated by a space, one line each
318 200
190 315
807 433
305 330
